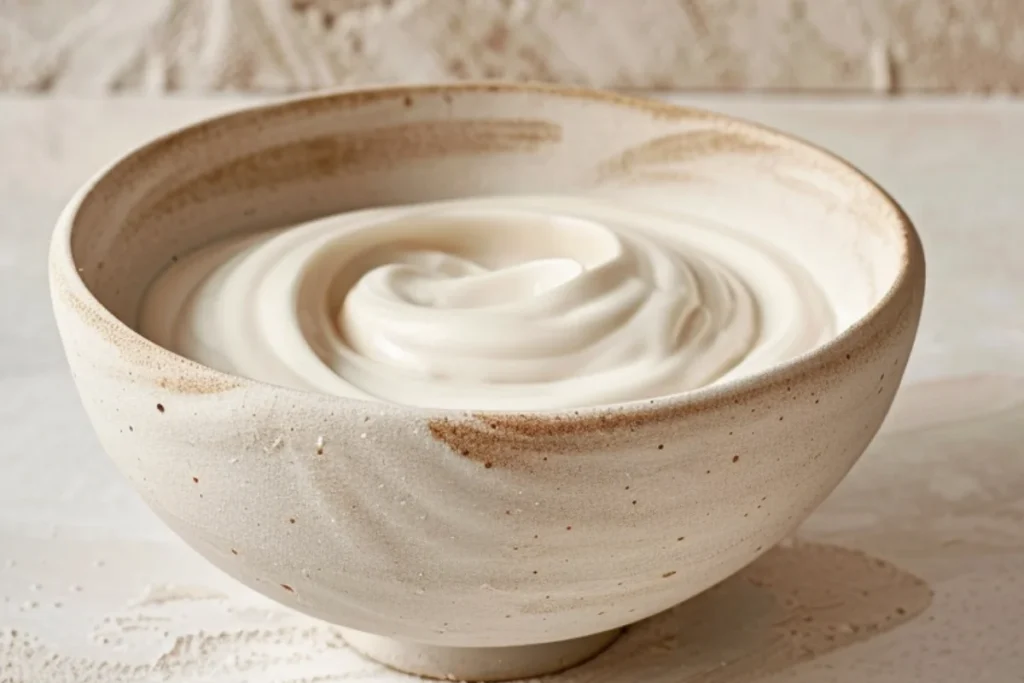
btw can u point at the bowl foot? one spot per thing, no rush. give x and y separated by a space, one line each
479 663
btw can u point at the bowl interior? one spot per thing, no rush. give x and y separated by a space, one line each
299 160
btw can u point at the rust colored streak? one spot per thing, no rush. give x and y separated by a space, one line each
679 148
359 151
106 326
493 438
175 374
501 441
183 383
656 176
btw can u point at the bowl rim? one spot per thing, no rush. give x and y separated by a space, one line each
825 358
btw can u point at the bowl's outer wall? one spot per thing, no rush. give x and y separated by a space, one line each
471 530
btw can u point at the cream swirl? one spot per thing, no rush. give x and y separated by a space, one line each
512 303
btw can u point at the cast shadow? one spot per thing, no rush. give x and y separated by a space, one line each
799 601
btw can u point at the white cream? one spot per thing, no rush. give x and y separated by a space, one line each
506 303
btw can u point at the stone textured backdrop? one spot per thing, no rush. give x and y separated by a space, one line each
884 46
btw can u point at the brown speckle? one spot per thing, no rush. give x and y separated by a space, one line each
668 574
291 520
234 552
681 538
735 458
287 588
458 68
195 480
661 446
160 407
408 101
568 528
487 465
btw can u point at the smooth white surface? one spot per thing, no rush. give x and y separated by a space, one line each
509 303
939 493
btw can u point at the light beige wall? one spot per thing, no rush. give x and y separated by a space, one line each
101 46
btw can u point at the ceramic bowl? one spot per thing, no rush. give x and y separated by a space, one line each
450 543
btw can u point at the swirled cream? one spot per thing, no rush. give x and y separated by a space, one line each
512 303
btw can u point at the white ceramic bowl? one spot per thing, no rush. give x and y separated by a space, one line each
482 546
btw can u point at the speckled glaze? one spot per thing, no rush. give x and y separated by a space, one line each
450 535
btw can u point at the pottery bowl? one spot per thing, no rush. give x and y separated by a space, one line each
449 542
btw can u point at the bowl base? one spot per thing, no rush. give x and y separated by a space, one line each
479 663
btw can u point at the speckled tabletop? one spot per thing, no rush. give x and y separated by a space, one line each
913 570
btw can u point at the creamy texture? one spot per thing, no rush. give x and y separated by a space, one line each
506 303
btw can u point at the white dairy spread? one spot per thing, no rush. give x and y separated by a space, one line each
504 303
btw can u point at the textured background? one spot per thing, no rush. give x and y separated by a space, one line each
94 589
881 46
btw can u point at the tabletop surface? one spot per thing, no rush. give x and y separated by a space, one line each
913 570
